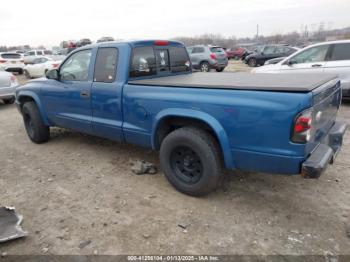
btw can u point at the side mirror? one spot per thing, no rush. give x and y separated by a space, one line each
52 74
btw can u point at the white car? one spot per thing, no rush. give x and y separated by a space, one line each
39 66
12 62
29 56
328 57
8 84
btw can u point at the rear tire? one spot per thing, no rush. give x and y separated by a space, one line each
37 131
9 101
20 72
220 69
191 160
27 75
205 67
252 62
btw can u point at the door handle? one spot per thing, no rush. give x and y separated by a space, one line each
84 93
316 65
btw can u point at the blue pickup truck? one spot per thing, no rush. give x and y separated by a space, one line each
144 93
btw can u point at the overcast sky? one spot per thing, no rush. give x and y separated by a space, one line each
45 22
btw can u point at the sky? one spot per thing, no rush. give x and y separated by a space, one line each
48 23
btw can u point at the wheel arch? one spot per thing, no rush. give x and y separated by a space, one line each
27 96
170 119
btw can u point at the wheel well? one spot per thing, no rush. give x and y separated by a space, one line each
170 124
23 99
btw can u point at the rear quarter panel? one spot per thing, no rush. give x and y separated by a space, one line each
252 121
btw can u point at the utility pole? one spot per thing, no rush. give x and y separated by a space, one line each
257 32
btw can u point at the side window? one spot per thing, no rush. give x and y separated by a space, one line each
162 58
76 68
269 50
39 52
179 60
282 50
106 65
36 61
197 50
313 54
340 52
143 62
189 49
31 53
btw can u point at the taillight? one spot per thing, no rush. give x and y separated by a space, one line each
55 65
3 61
213 56
13 78
22 61
161 43
302 127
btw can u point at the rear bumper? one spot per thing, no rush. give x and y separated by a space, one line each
218 66
7 92
325 153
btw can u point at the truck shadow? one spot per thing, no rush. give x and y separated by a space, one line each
253 188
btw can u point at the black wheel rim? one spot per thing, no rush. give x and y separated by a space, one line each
186 165
29 125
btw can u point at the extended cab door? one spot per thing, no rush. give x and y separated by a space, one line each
311 60
67 100
106 94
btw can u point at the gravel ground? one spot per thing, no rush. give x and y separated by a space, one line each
78 196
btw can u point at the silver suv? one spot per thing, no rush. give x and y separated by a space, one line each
205 57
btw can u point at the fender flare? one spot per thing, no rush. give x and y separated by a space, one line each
36 99
198 115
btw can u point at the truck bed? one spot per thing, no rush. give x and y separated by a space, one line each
246 81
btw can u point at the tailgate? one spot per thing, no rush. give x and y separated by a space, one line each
326 102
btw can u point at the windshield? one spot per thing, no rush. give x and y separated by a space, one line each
216 49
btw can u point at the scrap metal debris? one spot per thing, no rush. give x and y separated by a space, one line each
10 224
142 167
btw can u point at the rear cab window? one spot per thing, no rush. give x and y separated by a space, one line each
11 56
158 60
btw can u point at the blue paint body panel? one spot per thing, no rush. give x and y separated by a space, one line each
253 127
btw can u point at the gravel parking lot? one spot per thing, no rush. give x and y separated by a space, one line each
78 195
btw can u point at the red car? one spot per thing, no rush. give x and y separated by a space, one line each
237 53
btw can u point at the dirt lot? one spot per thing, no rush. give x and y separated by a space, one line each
77 188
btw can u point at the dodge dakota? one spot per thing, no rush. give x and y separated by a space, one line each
144 93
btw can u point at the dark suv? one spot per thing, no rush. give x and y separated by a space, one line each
267 52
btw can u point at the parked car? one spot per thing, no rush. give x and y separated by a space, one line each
33 54
268 52
327 57
39 66
12 62
274 61
83 42
229 53
205 57
105 39
143 92
8 84
238 52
